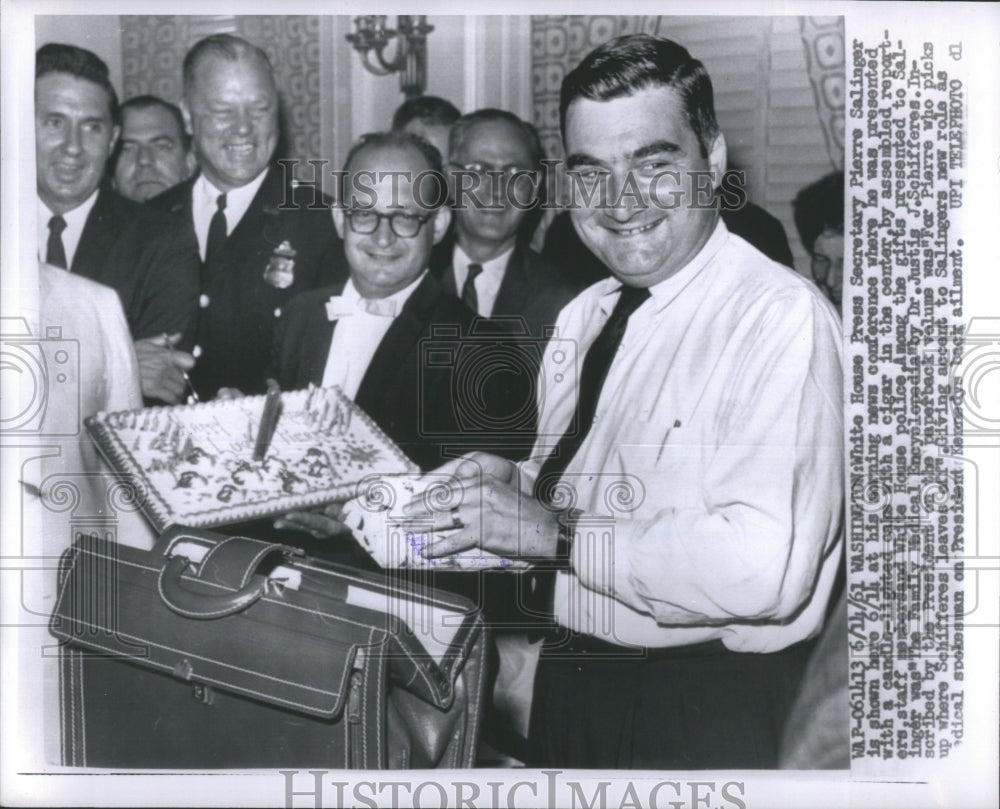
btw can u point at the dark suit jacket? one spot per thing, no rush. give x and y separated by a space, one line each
415 399
529 300
148 258
411 399
564 248
247 283
532 289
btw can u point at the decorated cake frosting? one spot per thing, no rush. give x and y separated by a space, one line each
193 464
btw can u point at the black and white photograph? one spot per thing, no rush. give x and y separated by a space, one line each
500 408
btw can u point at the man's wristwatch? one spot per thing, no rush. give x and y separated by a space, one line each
567 521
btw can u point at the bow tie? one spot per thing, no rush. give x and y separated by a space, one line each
338 307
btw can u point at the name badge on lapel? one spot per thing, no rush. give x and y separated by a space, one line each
280 270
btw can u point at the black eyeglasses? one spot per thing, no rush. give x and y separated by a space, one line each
405 225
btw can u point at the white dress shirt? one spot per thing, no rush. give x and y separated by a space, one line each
75 220
487 283
357 336
721 418
204 203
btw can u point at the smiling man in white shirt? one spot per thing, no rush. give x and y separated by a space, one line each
687 483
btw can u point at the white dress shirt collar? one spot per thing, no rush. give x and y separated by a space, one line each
489 280
721 415
204 203
669 288
350 292
75 221
357 338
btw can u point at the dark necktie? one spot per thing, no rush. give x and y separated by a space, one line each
55 253
469 296
595 368
217 231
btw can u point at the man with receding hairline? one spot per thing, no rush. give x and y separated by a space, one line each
365 335
261 240
496 160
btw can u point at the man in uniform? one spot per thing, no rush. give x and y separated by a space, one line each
261 240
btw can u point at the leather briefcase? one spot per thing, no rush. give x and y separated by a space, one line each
223 652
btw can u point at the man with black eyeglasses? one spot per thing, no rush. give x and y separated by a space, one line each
364 335
396 342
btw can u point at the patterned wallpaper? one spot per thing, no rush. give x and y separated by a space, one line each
153 49
557 46
559 43
823 38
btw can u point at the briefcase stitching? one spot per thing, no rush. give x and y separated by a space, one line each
442 690
74 743
347 741
62 712
380 755
327 616
364 711
207 679
479 692
445 693
82 710
66 711
474 638
222 611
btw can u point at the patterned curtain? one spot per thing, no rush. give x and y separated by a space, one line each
153 49
823 39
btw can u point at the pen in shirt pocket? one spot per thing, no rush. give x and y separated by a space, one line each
671 428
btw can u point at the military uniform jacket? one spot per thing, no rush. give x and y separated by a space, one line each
285 244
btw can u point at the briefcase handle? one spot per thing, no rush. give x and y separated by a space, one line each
231 561
204 605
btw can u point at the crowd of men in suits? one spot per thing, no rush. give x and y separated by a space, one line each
229 273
